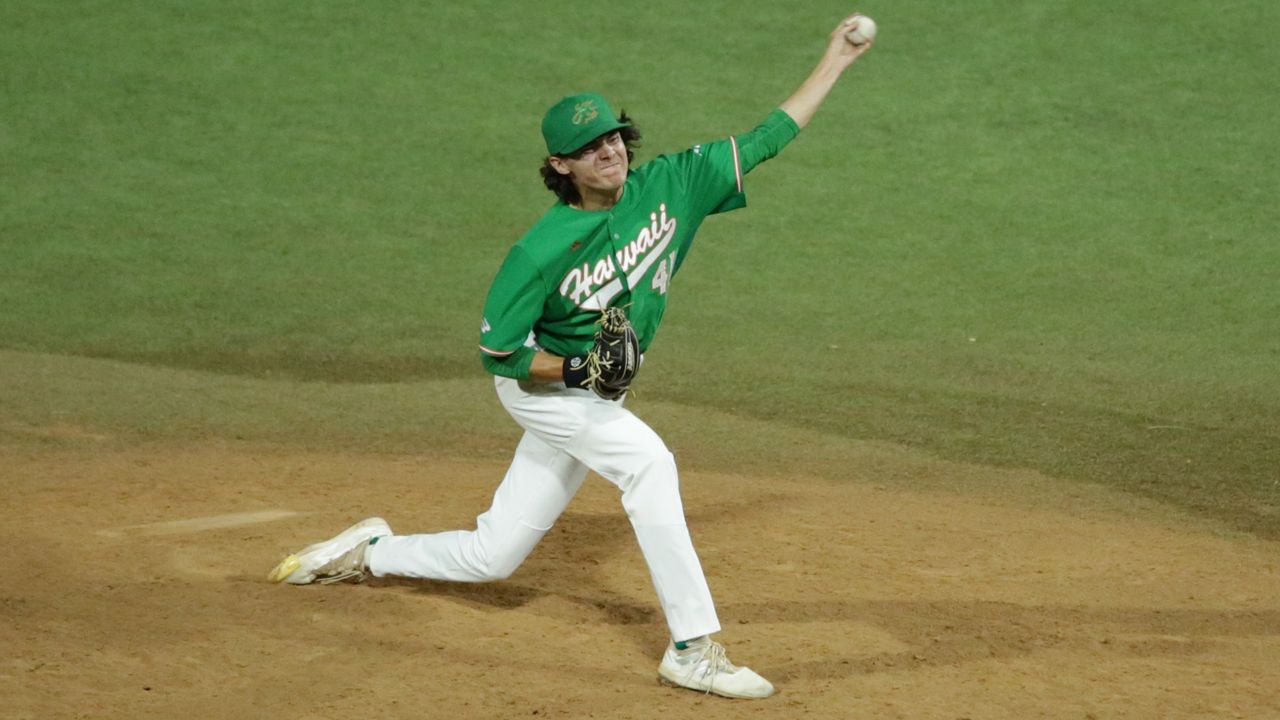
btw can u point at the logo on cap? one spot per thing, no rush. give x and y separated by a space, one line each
584 112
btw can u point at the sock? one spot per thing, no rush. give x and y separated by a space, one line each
684 644
368 549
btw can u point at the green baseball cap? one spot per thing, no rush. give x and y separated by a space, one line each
577 120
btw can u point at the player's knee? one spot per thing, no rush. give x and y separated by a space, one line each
501 571
660 467
501 559
652 494
489 569
501 566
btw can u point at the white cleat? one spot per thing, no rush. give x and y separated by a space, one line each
703 667
334 560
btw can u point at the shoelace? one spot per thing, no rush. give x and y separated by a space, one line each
347 566
340 577
716 661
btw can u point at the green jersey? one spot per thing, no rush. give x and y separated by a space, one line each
574 263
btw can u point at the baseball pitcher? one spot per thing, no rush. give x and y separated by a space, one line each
573 308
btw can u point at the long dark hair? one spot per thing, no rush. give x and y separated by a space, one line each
562 185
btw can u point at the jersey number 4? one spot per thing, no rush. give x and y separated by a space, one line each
662 276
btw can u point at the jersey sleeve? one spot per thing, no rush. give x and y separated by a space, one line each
712 176
713 171
514 304
766 140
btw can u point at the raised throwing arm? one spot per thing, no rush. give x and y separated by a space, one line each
837 58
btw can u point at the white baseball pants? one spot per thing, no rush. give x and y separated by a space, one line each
567 432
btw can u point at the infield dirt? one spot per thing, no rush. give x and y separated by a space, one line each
135 588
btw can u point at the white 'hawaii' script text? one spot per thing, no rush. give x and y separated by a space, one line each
580 282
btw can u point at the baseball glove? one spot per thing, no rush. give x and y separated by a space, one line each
611 364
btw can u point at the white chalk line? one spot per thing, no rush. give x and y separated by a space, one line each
212 522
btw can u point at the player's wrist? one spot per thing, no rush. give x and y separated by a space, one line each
575 371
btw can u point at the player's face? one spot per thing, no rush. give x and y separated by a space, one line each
599 168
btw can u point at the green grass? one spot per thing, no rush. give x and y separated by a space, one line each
1037 235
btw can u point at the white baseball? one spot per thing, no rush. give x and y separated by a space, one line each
865 31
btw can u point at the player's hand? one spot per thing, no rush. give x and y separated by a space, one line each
840 50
